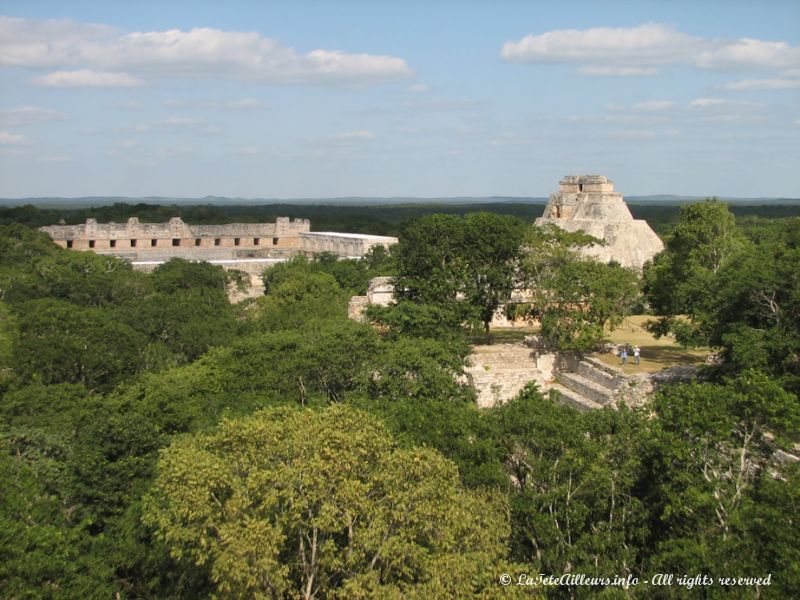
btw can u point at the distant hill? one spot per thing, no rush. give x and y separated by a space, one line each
88 201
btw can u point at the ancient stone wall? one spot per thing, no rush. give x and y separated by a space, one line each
154 242
160 241
342 244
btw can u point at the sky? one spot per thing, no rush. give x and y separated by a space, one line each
398 98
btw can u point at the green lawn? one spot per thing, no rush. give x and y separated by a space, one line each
503 335
657 354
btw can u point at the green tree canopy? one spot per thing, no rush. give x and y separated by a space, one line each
319 504
462 267
680 279
573 296
59 342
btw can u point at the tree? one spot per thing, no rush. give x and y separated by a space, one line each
464 267
574 506
418 369
291 503
713 450
178 274
41 555
574 297
680 278
753 312
7 334
491 255
296 296
59 342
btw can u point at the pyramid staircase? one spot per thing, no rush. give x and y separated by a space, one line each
590 386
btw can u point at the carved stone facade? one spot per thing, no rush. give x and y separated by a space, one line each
151 243
588 203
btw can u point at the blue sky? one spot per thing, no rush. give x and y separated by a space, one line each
322 99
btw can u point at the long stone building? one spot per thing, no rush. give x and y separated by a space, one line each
588 203
245 243
247 247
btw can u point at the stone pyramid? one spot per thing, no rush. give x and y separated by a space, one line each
588 203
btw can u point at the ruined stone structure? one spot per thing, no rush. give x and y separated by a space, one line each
154 242
498 372
248 247
380 292
588 203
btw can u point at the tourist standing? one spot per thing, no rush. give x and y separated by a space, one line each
636 354
624 356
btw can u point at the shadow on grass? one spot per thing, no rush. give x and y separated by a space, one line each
673 355
502 336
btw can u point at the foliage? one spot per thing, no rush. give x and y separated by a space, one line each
297 296
575 507
713 447
741 295
372 517
418 369
462 268
352 275
101 366
62 343
41 556
679 280
574 297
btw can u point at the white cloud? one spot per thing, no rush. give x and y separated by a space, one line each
245 103
27 115
748 52
654 105
707 102
642 50
87 78
64 44
618 71
644 44
11 138
183 122
353 136
419 88
763 84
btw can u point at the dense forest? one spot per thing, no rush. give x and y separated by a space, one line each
375 219
157 441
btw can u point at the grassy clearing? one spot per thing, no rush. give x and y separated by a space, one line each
503 335
657 354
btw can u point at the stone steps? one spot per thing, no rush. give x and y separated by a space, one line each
592 385
601 366
586 387
598 376
573 399
501 359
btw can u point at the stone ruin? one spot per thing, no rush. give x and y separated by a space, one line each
589 204
247 247
154 242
